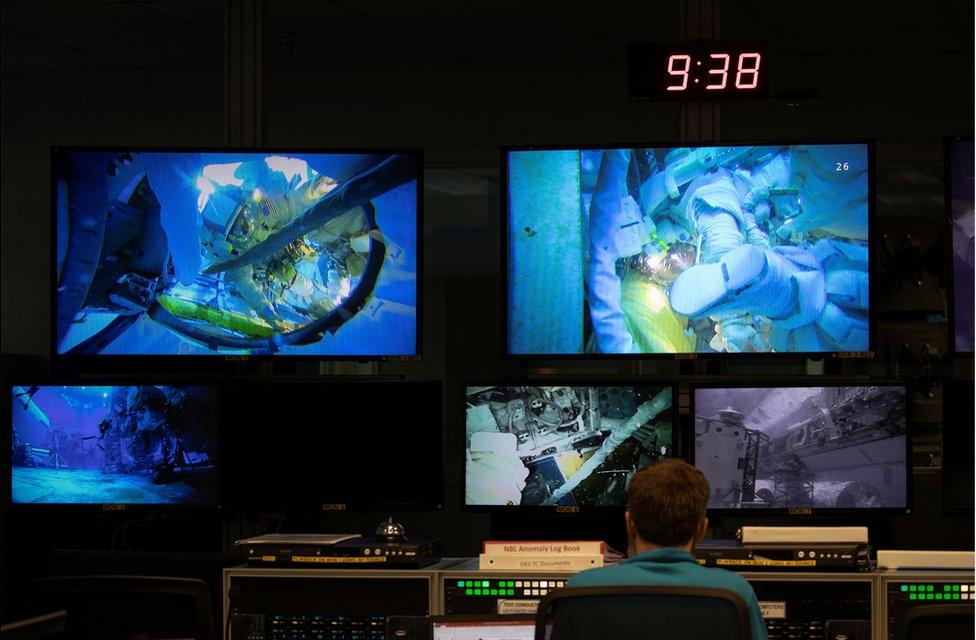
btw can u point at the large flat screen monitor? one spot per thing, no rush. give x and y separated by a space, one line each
562 447
224 252
639 251
804 449
959 197
341 445
119 445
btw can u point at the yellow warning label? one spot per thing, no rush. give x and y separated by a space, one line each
342 560
762 562
268 558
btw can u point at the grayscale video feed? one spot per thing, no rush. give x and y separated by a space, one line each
803 447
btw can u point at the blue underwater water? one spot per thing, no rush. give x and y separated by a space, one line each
688 250
385 326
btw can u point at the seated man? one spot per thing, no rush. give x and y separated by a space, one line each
665 519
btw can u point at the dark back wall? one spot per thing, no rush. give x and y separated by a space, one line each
459 83
459 80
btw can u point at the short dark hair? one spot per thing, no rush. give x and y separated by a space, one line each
667 502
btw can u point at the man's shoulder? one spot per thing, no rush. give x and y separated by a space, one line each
694 575
599 576
725 579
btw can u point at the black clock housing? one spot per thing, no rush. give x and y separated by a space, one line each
701 70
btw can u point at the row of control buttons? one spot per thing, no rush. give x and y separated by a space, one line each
945 587
940 596
381 552
540 584
489 592
941 591
510 588
813 555
320 627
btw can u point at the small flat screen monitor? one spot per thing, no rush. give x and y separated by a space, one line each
465 627
114 445
642 251
562 447
236 253
959 195
804 449
340 445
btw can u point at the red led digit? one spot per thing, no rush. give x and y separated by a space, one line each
686 62
751 70
724 71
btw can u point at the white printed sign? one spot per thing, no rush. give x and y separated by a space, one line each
773 610
517 607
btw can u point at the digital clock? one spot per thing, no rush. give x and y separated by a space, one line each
697 71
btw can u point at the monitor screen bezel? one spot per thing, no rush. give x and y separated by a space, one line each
810 512
947 164
555 382
72 364
238 502
507 353
6 441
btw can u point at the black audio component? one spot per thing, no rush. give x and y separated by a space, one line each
331 604
912 598
367 552
277 626
730 554
815 609
818 629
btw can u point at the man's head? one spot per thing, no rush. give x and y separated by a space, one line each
666 505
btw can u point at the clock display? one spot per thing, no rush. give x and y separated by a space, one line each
697 71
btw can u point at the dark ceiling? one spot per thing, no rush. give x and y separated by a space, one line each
92 34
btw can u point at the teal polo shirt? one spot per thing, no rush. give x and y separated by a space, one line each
677 567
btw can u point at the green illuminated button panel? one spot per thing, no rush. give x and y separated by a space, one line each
506 588
939 591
